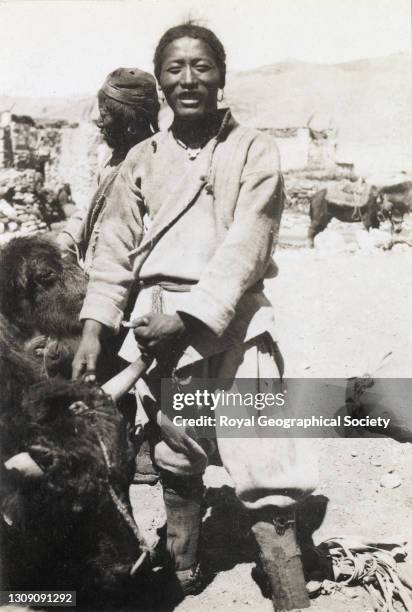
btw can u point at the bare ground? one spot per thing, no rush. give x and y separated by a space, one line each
339 311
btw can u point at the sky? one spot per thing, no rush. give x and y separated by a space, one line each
66 47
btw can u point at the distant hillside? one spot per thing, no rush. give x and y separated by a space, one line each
288 93
368 100
72 109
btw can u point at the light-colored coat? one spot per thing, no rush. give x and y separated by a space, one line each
213 226
83 227
207 225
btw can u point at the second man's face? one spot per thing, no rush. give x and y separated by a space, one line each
108 125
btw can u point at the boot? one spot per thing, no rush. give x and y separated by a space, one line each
145 472
279 554
183 497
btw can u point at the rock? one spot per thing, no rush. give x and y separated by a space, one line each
391 480
7 210
376 462
313 586
354 453
401 247
373 240
12 226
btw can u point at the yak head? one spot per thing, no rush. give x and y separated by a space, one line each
394 212
40 292
65 504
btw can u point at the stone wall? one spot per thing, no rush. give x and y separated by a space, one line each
26 145
61 152
79 160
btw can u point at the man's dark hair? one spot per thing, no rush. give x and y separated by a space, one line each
193 31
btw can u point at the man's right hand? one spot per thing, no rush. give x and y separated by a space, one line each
65 242
85 360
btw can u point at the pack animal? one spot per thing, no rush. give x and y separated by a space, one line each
322 211
65 470
41 295
396 202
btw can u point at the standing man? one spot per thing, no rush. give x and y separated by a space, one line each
193 216
128 107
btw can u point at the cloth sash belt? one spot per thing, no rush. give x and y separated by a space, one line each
176 286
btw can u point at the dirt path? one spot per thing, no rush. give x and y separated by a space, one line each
338 314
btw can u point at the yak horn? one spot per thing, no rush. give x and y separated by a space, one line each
124 381
25 464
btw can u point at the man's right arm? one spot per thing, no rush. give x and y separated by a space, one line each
71 233
121 230
89 350
111 275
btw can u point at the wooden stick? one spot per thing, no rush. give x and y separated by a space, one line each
124 381
176 437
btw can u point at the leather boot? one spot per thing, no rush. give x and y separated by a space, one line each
183 497
279 554
145 471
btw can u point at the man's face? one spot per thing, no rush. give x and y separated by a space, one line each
108 125
190 78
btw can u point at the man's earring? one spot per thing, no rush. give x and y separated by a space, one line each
220 95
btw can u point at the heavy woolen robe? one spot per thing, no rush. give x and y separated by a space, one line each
209 225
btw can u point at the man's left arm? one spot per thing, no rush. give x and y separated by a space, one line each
243 257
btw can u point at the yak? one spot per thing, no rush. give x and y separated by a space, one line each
322 211
396 202
66 463
41 295
40 291
67 458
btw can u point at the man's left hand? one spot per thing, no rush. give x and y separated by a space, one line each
158 334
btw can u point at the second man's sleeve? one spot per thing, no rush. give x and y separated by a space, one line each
121 230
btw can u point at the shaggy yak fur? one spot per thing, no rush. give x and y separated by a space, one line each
17 372
41 294
62 530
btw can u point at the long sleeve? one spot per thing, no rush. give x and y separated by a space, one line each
242 259
121 230
75 225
